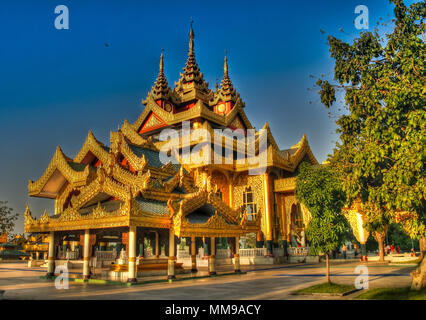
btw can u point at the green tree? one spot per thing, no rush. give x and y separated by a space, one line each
381 154
7 218
319 189
399 237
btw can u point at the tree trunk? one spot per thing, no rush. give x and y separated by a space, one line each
419 275
327 265
381 251
380 238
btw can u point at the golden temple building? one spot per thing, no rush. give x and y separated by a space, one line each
123 193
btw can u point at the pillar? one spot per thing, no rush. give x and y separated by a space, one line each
268 215
132 255
259 240
231 194
212 257
285 246
193 255
237 255
86 255
37 255
51 256
171 261
157 244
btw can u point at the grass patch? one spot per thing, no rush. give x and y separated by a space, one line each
393 294
330 288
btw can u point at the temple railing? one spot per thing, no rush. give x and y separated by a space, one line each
106 255
67 255
223 253
183 254
220 253
299 251
255 252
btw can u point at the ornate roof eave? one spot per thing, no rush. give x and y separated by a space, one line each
58 162
102 184
303 149
205 195
91 144
70 219
200 109
238 110
120 145
132 135
151 106
215 226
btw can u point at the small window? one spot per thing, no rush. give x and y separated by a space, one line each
249 206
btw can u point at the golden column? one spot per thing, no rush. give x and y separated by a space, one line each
132 255
51 257
237 255
231 195
268 218
193 255
171 261
86 255
212 257
157 246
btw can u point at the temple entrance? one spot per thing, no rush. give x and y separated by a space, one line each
297 227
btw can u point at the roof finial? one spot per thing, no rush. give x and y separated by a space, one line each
191 37
225 66
162 61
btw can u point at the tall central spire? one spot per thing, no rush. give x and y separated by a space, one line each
191 38
191 84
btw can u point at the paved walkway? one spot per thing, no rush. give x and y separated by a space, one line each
260 282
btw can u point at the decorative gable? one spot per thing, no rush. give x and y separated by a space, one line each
152 122
237 123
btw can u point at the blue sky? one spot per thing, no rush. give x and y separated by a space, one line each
56 85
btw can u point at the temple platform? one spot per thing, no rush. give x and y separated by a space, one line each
147 268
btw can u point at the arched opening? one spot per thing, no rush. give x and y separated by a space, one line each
221 181
297 229
249 204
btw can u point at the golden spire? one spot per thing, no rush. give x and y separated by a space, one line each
225 67
191 37
227 91
162 62
192 79
161 89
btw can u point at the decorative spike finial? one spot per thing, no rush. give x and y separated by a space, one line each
191 37
162 61
225 66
